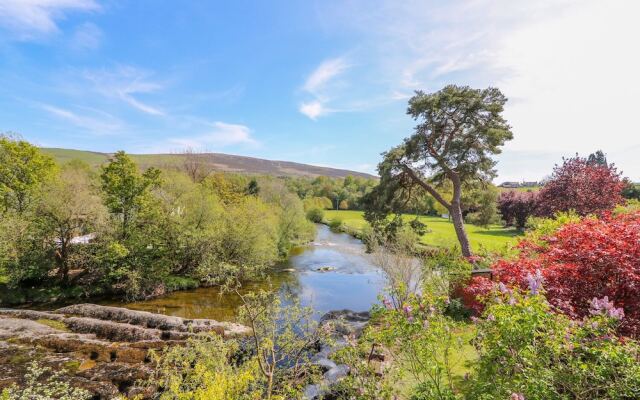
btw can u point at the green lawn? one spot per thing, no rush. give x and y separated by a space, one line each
440 231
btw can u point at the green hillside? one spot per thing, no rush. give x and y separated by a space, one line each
215 161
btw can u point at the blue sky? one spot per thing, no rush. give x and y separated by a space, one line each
321 82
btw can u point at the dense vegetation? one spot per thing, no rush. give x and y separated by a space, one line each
137 233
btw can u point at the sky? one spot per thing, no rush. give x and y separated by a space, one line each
322 82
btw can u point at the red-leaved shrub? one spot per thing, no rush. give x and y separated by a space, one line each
583 186
515 207
589 259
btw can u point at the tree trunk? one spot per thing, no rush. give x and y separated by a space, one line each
458 221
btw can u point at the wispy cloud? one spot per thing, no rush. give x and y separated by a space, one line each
219 135
319 84
86 37
324 73
32 18
125 83
101 124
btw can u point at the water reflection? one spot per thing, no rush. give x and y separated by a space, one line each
349 281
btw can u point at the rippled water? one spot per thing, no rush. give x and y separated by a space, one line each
351 282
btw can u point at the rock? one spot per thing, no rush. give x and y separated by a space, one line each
335 374
344 323
104 350
326 269
154 321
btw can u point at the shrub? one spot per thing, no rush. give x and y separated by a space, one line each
528 351
203 369
336 224
315 215
580 261
516 207
583 186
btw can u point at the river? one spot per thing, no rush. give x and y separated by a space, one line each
349 281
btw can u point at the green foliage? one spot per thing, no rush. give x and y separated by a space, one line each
23 168
43 384
204 369
430 347
126 189
459 130
482 206
527 349
335 224
321 203
327 193
538 227
365 380
315 215
283 337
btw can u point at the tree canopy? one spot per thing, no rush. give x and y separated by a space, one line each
459 131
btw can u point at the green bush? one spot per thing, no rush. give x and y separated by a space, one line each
336 224
527 349
315 215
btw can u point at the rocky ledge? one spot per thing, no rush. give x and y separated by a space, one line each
104 350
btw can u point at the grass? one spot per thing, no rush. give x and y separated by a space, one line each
440 231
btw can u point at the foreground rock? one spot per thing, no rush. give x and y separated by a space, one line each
104 350
345 323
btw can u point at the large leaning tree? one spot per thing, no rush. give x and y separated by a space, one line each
459 130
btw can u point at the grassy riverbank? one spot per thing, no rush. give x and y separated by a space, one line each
440 231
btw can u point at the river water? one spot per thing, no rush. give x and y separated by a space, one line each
349 281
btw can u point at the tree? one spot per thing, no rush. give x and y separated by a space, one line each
194 165
125 188
631 191
598 158
70 209
583 186
485 210
516 207
23 168
459 130
253 188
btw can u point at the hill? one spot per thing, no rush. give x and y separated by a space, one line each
215 161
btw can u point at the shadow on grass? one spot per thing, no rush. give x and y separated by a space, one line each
499 232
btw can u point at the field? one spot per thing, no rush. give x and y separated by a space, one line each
440 231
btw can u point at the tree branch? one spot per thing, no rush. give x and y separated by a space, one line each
430 189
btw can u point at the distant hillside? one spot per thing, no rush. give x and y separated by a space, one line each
217 161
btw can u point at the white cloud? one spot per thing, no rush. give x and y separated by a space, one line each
97 125
319 85
221 134
313 109
32 18
568 67
86 37
124 83
324 73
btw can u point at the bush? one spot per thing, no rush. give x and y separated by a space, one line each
315 215
516 207
527 351
583 186
203 369
580 261
336 224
